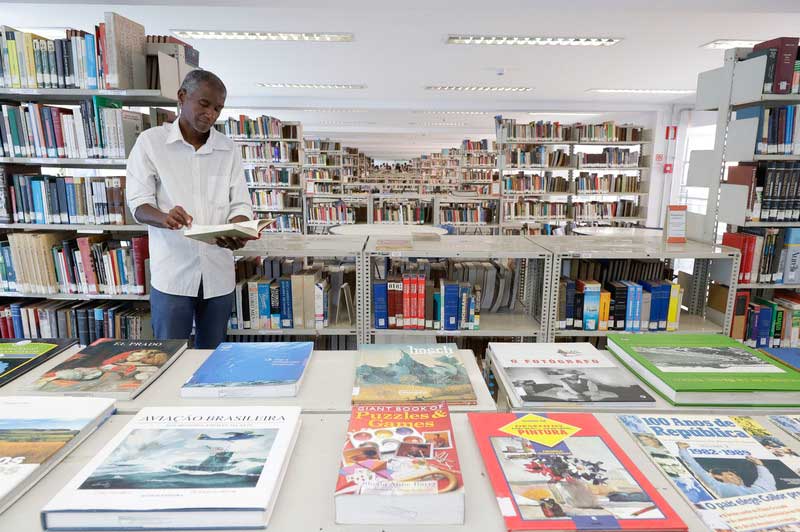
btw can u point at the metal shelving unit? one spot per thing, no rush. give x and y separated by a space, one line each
710 261
534 296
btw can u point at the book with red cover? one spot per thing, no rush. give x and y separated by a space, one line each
744 174
565 472
399 465
784 63
141 252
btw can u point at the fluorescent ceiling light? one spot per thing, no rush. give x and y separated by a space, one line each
725 44
311 86
264 35
335 110
643 91
476 88
338 123
522 40
559 113
453 112
438 124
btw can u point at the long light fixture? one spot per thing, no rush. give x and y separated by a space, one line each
453 112
334 110
476 88
643 91
558 113
438 124
340 123
349 86
725 44
523 40
264 35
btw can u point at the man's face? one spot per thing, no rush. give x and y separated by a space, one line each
729 477
202 106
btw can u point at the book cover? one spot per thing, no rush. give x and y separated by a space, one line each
785 355
36 432
703 363
20 356
564 372
390 373
251 366
114 367
736 473
790 424
393 456
565 472
214 467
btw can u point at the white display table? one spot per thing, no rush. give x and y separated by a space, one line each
327 385
384 230
305 501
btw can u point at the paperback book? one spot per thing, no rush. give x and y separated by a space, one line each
37 432
567 373
790 424
707 369
20 356
399 465
250 229
737 474
407 373
182 468
258 369
121 369
565 472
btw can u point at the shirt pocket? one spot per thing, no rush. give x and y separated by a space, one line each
218 202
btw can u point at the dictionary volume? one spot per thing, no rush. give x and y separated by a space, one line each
399 465
182 468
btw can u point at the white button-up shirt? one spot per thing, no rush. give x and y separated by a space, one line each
164 171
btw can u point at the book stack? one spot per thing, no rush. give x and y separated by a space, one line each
557 471
274 199
96 128
592 210
597 295
592 183
773 190
53 263
610 156
782 73
442 294
110 58
482 145
482 213
260 128
761 322
525 208
533 131
282 294
46 199
270 152
769 255
534 183
731 469
198 467
317 145
706 369
17 357
335 212
82 321
523 155
276 177
416 212
400 465
606 132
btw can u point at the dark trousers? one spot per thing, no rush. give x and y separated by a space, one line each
172 317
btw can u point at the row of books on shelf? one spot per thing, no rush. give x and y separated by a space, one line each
323 159
555 131
56 263
272 152
46 199
416 212
538 156
392 440
468 145
778 130
113 57
282 294
287 177
773 190
274 199
768 255
260 128
469 213
480 159
282 223
652 305
763 322
335 213
533 208
782 72
96 128
442 294
312 145
584 183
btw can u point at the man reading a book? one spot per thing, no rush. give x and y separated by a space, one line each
179 174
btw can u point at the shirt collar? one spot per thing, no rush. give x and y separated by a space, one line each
216 140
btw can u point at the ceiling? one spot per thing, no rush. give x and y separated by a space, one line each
399 48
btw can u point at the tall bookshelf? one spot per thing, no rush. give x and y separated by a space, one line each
548 182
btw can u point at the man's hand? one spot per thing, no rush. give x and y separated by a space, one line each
753 460
232 243
682 445
177 218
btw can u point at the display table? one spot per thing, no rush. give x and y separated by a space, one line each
627 232
384 230
305 501
508 401
327 385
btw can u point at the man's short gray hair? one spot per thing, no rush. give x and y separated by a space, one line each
197 77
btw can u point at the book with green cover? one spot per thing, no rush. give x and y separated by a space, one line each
707 369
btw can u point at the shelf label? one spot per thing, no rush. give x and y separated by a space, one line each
676 224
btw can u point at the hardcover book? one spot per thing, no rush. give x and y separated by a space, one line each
259 369
403 373
250 229
182 468
20 356
399 465
37 432
111 368
736 473
547 374
706 369
789 356
565 472
790 424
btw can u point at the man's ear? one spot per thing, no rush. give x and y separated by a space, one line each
181 95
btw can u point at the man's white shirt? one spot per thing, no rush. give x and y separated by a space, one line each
164 171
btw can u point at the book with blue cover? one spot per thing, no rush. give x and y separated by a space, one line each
258 369
787 355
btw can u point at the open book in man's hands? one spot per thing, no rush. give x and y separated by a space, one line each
209 233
